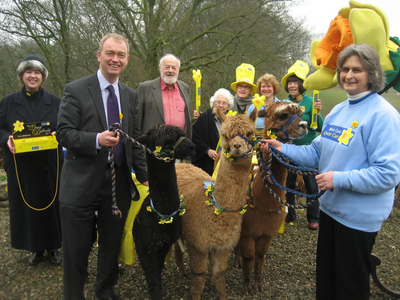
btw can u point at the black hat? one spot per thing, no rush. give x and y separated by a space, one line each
32 62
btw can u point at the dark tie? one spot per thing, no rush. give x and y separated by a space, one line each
113 117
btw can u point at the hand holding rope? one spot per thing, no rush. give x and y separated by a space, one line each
114 208
166 156
295 167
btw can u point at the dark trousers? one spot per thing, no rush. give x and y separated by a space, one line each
311 188
343 261
77 229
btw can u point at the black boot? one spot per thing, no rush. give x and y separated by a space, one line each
35 258
54 256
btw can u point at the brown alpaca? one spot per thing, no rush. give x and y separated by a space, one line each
207 234
261 222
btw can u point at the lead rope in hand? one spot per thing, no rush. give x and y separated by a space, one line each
269 178
114 208
115 127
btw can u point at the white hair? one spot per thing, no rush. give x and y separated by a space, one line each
169 55
222 92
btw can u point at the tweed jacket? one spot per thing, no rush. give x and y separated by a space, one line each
151 104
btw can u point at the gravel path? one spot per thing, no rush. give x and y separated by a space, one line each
289 271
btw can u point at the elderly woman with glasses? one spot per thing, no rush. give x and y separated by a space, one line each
206 131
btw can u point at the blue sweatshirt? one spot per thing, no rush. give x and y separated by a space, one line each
360 142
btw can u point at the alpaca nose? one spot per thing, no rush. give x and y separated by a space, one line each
303 124
237 146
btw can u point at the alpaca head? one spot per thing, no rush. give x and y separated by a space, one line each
167 136
236 133
283 119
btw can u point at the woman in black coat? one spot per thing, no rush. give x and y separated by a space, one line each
32 177
206 131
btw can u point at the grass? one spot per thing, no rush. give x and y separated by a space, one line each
331 97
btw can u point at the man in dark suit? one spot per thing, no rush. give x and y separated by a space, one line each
85 183
165 100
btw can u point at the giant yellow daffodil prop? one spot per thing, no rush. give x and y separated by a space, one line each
358 23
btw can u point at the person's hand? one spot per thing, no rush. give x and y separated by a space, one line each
211 154
325 181
264 147
146 183
318 105
10 144
196 114
107 138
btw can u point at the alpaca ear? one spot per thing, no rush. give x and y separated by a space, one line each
253 115
262 114
142 139
220 115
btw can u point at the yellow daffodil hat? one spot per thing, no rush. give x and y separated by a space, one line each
299 68
245 74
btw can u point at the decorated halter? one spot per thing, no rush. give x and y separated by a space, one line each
165 154
248 154
161 154
285 127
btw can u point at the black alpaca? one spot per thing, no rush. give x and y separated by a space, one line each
152 239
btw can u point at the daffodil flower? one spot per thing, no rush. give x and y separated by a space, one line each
18 126
121 116
354 124
258 101
345 137
158 149
218 211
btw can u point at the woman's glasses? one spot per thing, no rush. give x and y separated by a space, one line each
239 86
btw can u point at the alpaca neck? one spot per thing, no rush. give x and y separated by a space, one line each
231 182
162 184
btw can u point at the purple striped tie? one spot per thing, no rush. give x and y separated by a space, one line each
113 117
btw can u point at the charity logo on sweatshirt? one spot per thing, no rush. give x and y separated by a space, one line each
339 134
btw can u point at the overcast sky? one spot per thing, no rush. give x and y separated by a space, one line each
319 13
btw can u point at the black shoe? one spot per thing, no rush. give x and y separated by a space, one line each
35 258
289 220
54 256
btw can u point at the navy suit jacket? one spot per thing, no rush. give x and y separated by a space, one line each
80 119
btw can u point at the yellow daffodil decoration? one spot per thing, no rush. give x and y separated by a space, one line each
354 124
121 116
258 101
345 137
158 149
231 113
209 191
271 135
167 219
18 126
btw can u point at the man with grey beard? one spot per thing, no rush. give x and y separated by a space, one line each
165 100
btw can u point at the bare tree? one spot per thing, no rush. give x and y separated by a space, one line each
47 23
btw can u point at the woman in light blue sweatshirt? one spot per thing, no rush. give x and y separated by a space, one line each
358 157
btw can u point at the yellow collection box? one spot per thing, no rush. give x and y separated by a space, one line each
30 137
35 144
